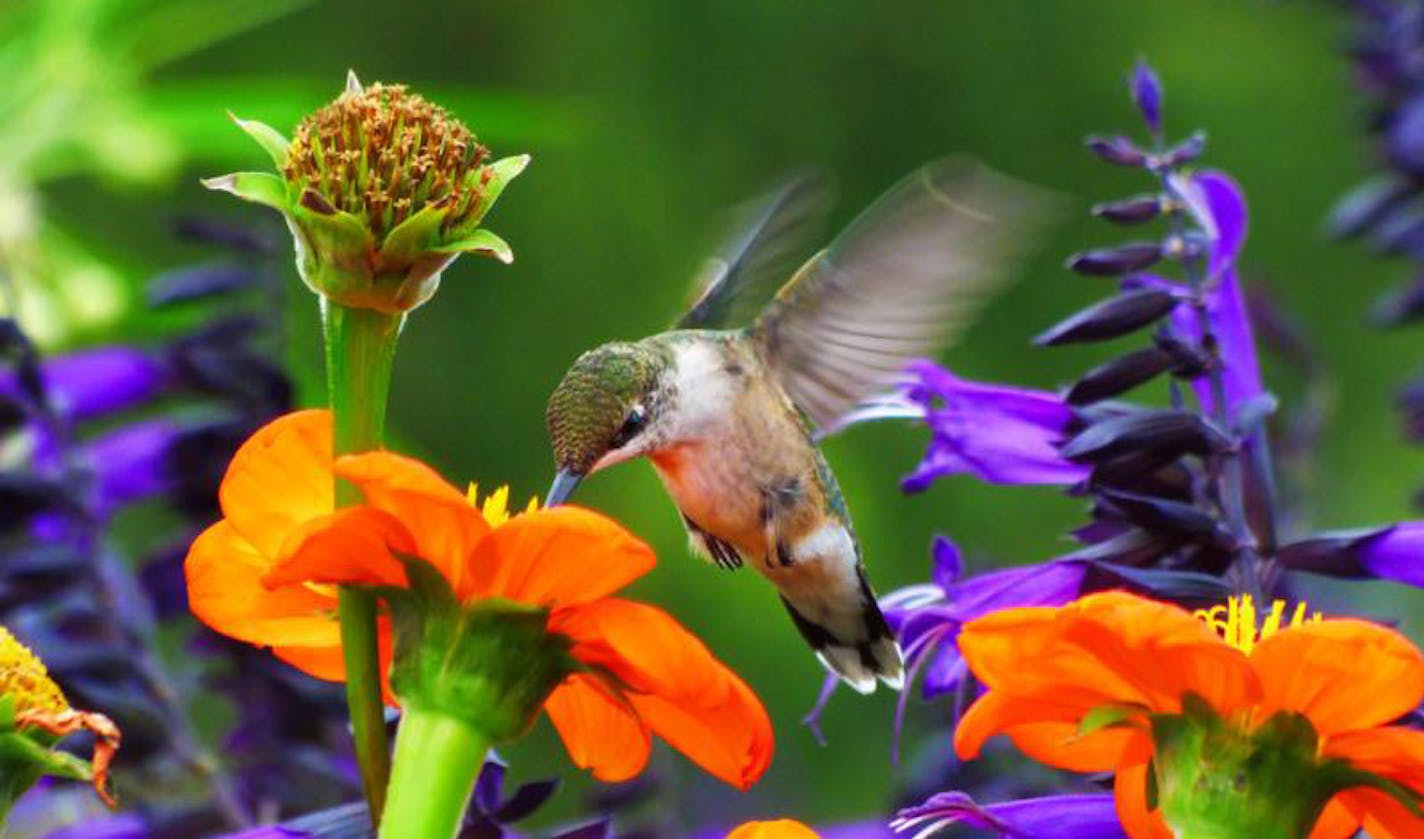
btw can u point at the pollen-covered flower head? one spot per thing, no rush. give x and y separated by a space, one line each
381 153
24 679
381 190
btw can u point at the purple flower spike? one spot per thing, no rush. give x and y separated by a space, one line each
1002 434
1052 817
96 382
131 463
1147 94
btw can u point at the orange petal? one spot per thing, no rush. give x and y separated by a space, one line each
1335 822
224 573
600 732
351 546
280 478
556 557
779 829
731 740
1130 795
688 697
1342 674
1382 816
1394 752
439 518
997 711
1060 745
1107 647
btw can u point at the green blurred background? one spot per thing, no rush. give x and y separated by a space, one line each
646 121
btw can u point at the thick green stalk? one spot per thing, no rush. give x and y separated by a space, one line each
438 758
360 349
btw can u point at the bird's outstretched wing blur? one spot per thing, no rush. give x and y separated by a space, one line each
771 235
902 280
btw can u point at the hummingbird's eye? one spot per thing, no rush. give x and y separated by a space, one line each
636 420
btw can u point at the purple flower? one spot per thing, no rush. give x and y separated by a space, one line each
999 433
1397 554
96 382
1051 817
1147 94
130 463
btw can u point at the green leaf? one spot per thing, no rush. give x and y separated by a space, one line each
482 242
257 187
266 136
500 173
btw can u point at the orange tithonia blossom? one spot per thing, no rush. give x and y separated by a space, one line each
1279 733
526 599
778 829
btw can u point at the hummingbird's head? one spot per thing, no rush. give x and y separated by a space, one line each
602 411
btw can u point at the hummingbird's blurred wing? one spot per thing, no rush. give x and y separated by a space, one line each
771 235
903 279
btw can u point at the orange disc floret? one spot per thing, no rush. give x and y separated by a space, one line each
777 829
1053 673
641 673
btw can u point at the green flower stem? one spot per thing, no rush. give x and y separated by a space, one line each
438 758
360 350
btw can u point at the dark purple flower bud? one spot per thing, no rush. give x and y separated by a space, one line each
1186 151
1130 210
1112 262
1120 375
1359 554
1400 233
1367 205
1147 95
1404 136
1399 306
1187 588
1112 318
1166 515
1164 431
1133 547
92 383
1118 150
186 284
1054 817
999 433
1148 472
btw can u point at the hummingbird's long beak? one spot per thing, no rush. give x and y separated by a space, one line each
565 482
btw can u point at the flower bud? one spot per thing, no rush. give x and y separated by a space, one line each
1112 318
1147 95
1117 150
1133 210
1110 262
381 190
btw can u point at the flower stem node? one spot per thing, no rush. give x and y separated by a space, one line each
490 664
381 190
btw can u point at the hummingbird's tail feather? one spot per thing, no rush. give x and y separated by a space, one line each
851 639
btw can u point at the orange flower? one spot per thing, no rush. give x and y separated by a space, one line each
1075 686
265 575
779 829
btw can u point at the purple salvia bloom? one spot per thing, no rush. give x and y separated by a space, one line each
1053 817
1397 554
1147 94
131 463
96 382
999 433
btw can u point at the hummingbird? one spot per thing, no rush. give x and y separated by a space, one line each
729 406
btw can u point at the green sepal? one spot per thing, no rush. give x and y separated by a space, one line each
269 138
490 664
499 174
1111 715
417 234
258 187
482 242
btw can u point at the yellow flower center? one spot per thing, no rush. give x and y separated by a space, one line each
24 679
495 508
1239 623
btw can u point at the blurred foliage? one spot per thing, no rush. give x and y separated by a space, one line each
646 120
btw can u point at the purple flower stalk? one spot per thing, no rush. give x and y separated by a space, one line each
1050 817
